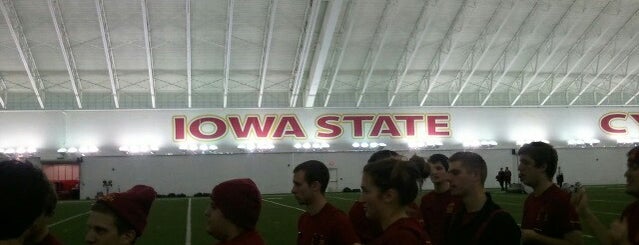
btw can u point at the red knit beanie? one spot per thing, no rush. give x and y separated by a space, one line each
133 205
239 200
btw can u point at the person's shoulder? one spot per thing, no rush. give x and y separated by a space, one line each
632 208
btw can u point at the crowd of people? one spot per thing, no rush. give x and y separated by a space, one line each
458 211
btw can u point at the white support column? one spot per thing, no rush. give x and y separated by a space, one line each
189 75
347 29
376 46
579 42
268 37
438 53
15 28
549 57
502 57
302 56
321 52
149 52
227 47
108 52
65 48
414 42
482 35
617 54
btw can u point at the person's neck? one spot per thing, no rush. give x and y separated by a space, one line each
475 200
542 186
442 187
316 205
233 232
389 218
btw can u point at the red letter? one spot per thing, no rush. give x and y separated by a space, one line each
289 125
387 123
323 124
179 128
195 130
357 126
438 121
410 123
242 131
606 123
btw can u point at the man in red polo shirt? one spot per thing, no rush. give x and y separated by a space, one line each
625 230
548 216
438 205
233 213
322 223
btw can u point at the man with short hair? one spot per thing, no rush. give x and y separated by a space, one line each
501 178
24 190
120 218
548 216
438 205
322 223
39 234
479 220
233 213
507 178
625 230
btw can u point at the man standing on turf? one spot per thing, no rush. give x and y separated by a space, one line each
624 230
322 223
548 216
119 218
438 205
479 221
233 213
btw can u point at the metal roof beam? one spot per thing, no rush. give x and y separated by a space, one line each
65 48
622 62
413 44
189 68
227 48
302 56
321 52
376 46
502 57
15 28
470 57
268 36
149 52
341 45
617 54
108 52
582 39
537 68
438 53
3 86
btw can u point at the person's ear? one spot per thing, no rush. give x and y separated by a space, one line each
315 185
128 237
389 195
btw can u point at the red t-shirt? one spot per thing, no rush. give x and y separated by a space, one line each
631 214
246 238
49 240
403 231
550 213
365 228
437 209
329 226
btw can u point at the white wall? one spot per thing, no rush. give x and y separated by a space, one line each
273 172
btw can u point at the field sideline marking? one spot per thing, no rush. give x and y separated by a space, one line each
347 199
67 219
188 224
283 205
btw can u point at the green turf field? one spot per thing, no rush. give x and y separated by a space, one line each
168 219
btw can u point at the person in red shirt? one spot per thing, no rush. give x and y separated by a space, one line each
388 187
233 213
624 230
322 223
548 216
120 218
24 208
438 205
